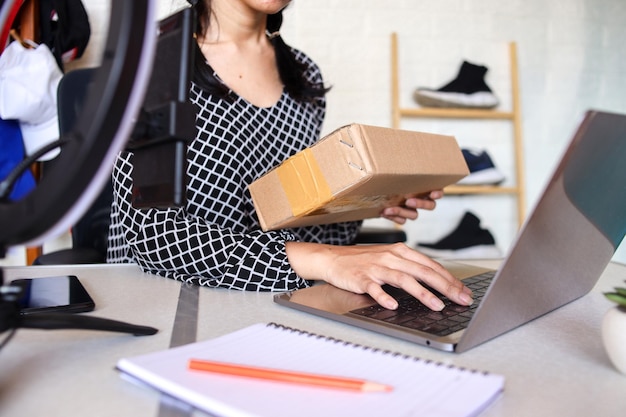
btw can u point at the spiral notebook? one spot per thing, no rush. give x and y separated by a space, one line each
420 387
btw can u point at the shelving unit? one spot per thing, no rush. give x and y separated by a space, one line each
398 113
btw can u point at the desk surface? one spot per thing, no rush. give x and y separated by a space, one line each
554 366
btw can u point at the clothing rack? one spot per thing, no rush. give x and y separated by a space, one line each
26 25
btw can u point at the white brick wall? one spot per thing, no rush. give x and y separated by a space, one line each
570 59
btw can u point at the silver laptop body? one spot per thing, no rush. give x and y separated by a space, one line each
562 249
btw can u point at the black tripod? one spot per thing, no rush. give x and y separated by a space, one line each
11 318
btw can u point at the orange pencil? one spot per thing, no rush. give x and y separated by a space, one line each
287 376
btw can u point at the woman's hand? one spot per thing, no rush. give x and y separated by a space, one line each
363 269
413 203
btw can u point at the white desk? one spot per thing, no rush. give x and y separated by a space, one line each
554 366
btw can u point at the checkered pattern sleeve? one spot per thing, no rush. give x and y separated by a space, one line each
215 239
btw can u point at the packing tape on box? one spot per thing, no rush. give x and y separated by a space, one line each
303 183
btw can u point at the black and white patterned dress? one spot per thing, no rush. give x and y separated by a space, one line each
216 240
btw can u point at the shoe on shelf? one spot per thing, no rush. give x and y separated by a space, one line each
467 241
467 90
481 168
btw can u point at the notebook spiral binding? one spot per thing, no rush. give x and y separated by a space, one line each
373 349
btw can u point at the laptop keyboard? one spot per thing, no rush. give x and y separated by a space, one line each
411 313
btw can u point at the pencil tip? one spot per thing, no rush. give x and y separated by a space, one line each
373 386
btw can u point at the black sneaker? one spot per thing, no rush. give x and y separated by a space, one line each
467 90
467 241
481 168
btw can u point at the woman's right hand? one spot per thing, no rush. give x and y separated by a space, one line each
364 269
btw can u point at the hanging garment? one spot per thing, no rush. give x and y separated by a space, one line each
28 93
64 28
11 154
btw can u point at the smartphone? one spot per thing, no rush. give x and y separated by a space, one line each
63 293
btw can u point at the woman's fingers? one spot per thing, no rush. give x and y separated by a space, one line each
364 269
370 267
413 203
414 273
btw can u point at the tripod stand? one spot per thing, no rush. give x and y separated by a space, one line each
11 318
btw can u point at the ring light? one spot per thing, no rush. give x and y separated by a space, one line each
102 129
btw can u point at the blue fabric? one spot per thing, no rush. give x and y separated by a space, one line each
11 154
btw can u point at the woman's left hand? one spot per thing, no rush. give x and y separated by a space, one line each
413 203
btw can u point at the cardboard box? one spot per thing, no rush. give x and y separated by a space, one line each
353 173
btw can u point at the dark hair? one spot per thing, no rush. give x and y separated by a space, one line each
291 71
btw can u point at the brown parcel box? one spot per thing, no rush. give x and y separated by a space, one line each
353 173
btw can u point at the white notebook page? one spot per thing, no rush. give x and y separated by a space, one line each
421 388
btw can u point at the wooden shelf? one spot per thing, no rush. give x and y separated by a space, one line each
480 189
514 116
455 113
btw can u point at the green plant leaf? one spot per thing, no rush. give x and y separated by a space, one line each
616 297
620 291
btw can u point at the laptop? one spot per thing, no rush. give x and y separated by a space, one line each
558 256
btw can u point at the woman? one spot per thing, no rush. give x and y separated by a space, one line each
258 101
